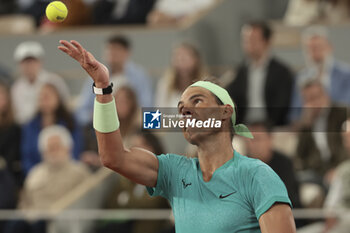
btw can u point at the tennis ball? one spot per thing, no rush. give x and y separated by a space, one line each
56 11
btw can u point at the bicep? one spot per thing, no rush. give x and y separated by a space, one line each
278 218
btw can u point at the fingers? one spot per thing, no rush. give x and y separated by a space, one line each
69 46
64 49
78 46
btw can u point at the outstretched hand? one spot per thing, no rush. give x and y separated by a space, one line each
97 71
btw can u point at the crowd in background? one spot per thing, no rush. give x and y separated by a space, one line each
100 12
47 148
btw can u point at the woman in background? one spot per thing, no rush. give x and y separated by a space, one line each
52 110
186 68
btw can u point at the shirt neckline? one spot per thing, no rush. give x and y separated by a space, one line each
222 167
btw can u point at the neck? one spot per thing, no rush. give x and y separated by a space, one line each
215 151
48 119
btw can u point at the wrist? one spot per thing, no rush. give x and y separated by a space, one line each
102 84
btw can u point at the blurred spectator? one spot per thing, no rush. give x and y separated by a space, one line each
186 68
338 197
26 88
261 148
131 195
10 135
51 179
263 85
319 148
147 141
171 11
4 74
128 111
7 6
332 73
122 70
304 12
121 11
36 8
52 110
8 187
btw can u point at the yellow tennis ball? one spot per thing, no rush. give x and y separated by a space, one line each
56 11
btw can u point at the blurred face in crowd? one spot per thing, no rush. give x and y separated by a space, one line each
48 99
184 61
30 68
261 146
125 102
253 42
116 56
346 136
315 96
56 153
317 48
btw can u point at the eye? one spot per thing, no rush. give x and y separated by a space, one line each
196 101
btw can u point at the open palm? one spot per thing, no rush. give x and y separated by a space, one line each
97 71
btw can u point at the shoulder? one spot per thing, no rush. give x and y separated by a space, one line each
247 166
176 163
251 169
341 66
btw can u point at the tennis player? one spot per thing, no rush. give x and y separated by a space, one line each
221 191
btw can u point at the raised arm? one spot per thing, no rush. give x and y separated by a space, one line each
138 165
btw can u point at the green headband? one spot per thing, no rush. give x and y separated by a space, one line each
225 98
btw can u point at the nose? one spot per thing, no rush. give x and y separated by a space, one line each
186 111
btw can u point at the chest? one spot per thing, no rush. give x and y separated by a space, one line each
216 206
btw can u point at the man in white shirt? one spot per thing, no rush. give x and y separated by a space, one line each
26 88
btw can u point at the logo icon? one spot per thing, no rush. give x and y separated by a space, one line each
184 184
151 120
224 196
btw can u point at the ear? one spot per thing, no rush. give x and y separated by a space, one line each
227 112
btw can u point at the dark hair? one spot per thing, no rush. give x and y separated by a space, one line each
6 117
152 140
120 40
61 113
219 102
264 27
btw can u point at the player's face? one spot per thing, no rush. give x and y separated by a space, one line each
200 104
